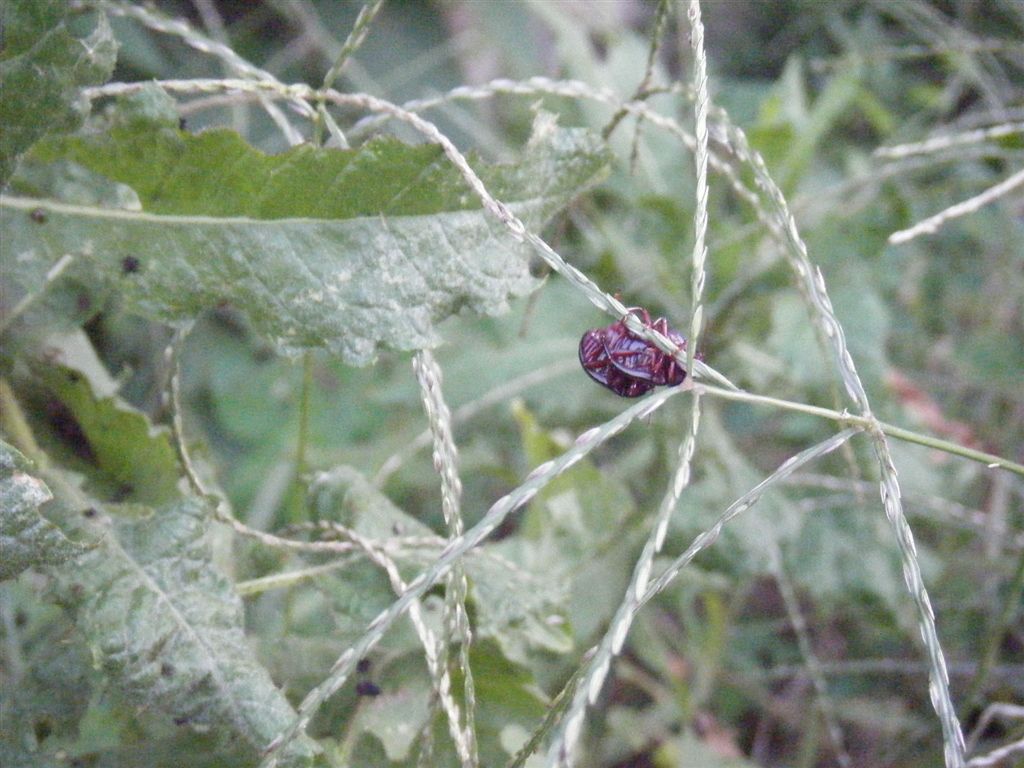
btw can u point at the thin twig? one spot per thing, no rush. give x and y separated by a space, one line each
200 42
360 29
465 412
215 26
600 656
869 422
32 297
949 141
742 504
657 35
932 223
997 755
992 711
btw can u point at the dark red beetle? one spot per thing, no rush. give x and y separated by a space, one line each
628 364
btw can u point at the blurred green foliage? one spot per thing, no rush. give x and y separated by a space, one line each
712 673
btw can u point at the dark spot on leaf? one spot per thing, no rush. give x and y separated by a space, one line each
363 666
366 688
74 377
130 265
89 512
77 590
83 302
263 354
230 319
396 528
180 720
122 492
68 430
599 45
43 727
20 618
38 215
166 669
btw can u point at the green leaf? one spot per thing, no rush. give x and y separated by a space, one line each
345 496
42 68
217 174
396 717
27 538
843 552
166 628
579 508
112 444
163 625
348 249
508 701
48 680
519 611
576 529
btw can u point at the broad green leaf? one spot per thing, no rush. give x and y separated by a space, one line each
166 628
27 538
356 595
42 68
345 496
217 174
397 716
503 685
348 249
163 625
112 444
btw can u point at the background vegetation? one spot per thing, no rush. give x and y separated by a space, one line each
224 453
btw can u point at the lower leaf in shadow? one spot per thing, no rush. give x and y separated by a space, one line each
166 629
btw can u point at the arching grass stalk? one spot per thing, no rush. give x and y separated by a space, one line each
812 285
642 589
